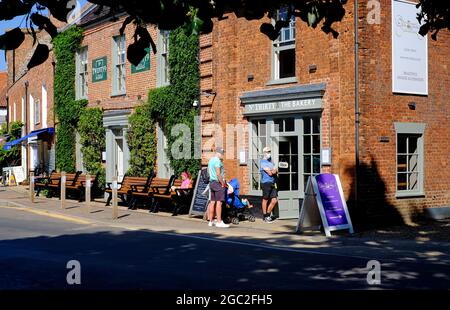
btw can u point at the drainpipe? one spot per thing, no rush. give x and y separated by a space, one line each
356 103
7 112
26 123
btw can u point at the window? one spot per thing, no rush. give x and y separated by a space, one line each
311 147
163 58
409 174
37 111
284 49
119 59
258 142
82 73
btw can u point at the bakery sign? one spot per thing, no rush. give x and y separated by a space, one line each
288 106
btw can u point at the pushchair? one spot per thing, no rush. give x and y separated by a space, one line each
236 209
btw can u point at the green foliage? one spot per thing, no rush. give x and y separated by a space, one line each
170 105
92 140
173 104
11 157
141 142
66 107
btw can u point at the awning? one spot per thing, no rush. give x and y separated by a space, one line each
37 133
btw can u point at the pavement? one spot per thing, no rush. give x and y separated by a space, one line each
143 250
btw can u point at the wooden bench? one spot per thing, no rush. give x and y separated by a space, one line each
182 198
54 185
161 192
127 185
41 183
78 187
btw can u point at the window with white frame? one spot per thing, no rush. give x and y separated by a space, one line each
283 51
311 148
37 111
163 58
409 171
119 60
82 73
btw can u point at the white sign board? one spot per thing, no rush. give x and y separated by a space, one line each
324 205
409 51
19 174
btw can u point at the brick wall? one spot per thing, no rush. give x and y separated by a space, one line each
98 39
236 49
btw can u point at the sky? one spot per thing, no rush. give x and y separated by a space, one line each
18 21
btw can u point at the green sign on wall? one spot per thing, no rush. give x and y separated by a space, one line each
99 69
144 65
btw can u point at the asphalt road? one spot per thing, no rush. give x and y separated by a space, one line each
35 249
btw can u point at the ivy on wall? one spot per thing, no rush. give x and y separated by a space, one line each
170 105
141 142
92 140
67 109
11 157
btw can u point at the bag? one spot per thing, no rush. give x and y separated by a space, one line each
205 175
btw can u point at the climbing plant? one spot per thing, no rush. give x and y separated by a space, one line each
67 109
11 157
92 140
141 142
170 105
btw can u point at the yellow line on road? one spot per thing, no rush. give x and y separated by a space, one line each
49 214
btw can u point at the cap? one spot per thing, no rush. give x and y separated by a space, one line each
266 149
220 150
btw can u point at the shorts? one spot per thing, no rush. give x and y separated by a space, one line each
217 191
269 191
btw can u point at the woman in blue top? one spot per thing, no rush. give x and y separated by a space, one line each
268 173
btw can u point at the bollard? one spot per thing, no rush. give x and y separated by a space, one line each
87 195
63 190
115 213
32 186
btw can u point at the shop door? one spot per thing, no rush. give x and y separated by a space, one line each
286 157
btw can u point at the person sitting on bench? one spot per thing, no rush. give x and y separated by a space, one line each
185 184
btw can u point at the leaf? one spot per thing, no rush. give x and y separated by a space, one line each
39 56
136 52
127 20
11 39
12 8
44 23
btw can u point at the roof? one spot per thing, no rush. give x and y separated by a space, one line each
97 14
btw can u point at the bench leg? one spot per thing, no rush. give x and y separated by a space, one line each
38 191
155 207
108 201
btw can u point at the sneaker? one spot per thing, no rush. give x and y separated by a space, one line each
222 225
268 219
212 223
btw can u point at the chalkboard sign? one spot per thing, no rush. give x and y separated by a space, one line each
199 202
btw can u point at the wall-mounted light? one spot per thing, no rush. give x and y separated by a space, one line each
195 103
250 77
412 105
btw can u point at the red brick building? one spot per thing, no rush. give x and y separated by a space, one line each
108 81
304 83
30 100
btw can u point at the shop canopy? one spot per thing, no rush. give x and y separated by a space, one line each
37 133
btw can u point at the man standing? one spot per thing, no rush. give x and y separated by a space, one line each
217 187
268 173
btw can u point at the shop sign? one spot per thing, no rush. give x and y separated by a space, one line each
283 106
99 69
144 65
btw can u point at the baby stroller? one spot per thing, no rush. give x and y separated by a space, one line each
236 209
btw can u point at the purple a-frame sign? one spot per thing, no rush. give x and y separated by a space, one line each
324 204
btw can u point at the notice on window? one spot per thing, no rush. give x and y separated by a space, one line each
409 51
